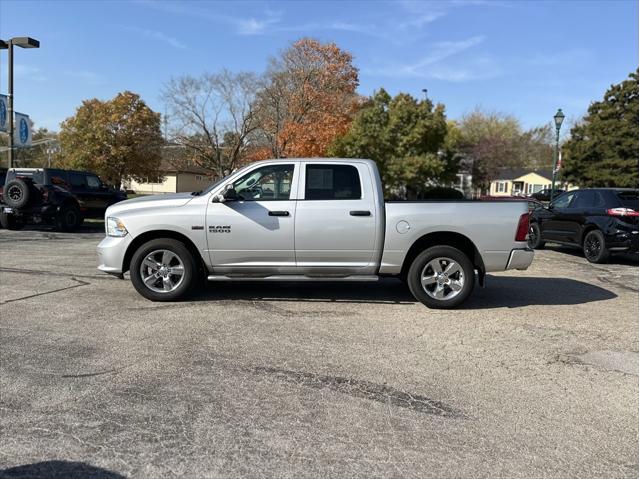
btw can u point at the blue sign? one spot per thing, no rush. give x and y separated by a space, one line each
24 131
3 113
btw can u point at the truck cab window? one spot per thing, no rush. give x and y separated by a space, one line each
269 183
332 182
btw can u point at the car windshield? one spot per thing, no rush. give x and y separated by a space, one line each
629 199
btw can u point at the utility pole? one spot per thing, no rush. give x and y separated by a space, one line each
22 42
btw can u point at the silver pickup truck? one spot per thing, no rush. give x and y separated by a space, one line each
311 220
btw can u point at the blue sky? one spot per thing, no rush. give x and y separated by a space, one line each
522 58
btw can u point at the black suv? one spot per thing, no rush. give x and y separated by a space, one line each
601 221
544 195
59 197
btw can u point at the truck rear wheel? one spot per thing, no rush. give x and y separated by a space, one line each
163 270
441 277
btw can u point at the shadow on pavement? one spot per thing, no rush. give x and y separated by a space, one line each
513 292
58 469
385 291
500 291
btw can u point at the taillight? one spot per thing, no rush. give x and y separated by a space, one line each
622 212
522 227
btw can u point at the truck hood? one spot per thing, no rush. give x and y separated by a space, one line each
151 201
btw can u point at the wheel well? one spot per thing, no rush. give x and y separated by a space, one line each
445 238
586 230
157 234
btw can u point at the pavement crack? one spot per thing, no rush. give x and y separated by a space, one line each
362 389
80 284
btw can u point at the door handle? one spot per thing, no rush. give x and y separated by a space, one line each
278 213
360 213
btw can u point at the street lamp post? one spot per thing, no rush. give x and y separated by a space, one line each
22 42
559 119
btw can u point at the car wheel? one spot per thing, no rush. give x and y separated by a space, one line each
163 270
69 218
594 247
534 237
441 277
16 193
10 222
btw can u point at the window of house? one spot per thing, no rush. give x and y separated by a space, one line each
198 177
332 182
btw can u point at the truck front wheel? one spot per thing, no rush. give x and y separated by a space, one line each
163 270
441 277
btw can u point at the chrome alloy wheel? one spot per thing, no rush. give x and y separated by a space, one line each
442 278
162 271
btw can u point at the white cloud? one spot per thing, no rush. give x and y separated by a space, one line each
157 35
22 71
87 76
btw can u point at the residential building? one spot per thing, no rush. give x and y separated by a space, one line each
524 182
172 179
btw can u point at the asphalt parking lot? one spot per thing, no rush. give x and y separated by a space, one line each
537 376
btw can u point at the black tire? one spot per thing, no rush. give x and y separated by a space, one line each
185 283
439 255
16 193
10 222
534 237
69 218
594 247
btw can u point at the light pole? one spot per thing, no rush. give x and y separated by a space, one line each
559 119
22 42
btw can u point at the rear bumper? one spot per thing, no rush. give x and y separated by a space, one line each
520 258
111 252
623 241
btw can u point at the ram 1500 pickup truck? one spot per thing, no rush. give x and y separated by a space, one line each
311 220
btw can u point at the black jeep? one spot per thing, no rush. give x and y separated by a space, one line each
62 198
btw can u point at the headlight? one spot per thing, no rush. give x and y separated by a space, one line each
115 227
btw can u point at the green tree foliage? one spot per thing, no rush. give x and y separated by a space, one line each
118 138
604 148
405 137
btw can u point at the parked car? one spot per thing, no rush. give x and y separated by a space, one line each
544 195
311 220
601 221
59 197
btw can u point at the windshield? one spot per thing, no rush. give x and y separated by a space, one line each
214 185
629 199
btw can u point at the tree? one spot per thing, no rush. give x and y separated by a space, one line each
603 149
491 141
213 116
118 138
43 149
406 138
307 99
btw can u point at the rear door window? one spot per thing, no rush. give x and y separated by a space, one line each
77 180
332 182
629 199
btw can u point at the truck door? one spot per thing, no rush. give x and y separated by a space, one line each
336 218
256 233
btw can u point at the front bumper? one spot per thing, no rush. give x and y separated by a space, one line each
111 252
520 258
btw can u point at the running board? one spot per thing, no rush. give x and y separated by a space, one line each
292 277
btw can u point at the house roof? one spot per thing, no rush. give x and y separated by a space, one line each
514 173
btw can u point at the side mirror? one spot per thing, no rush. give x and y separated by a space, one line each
229 194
